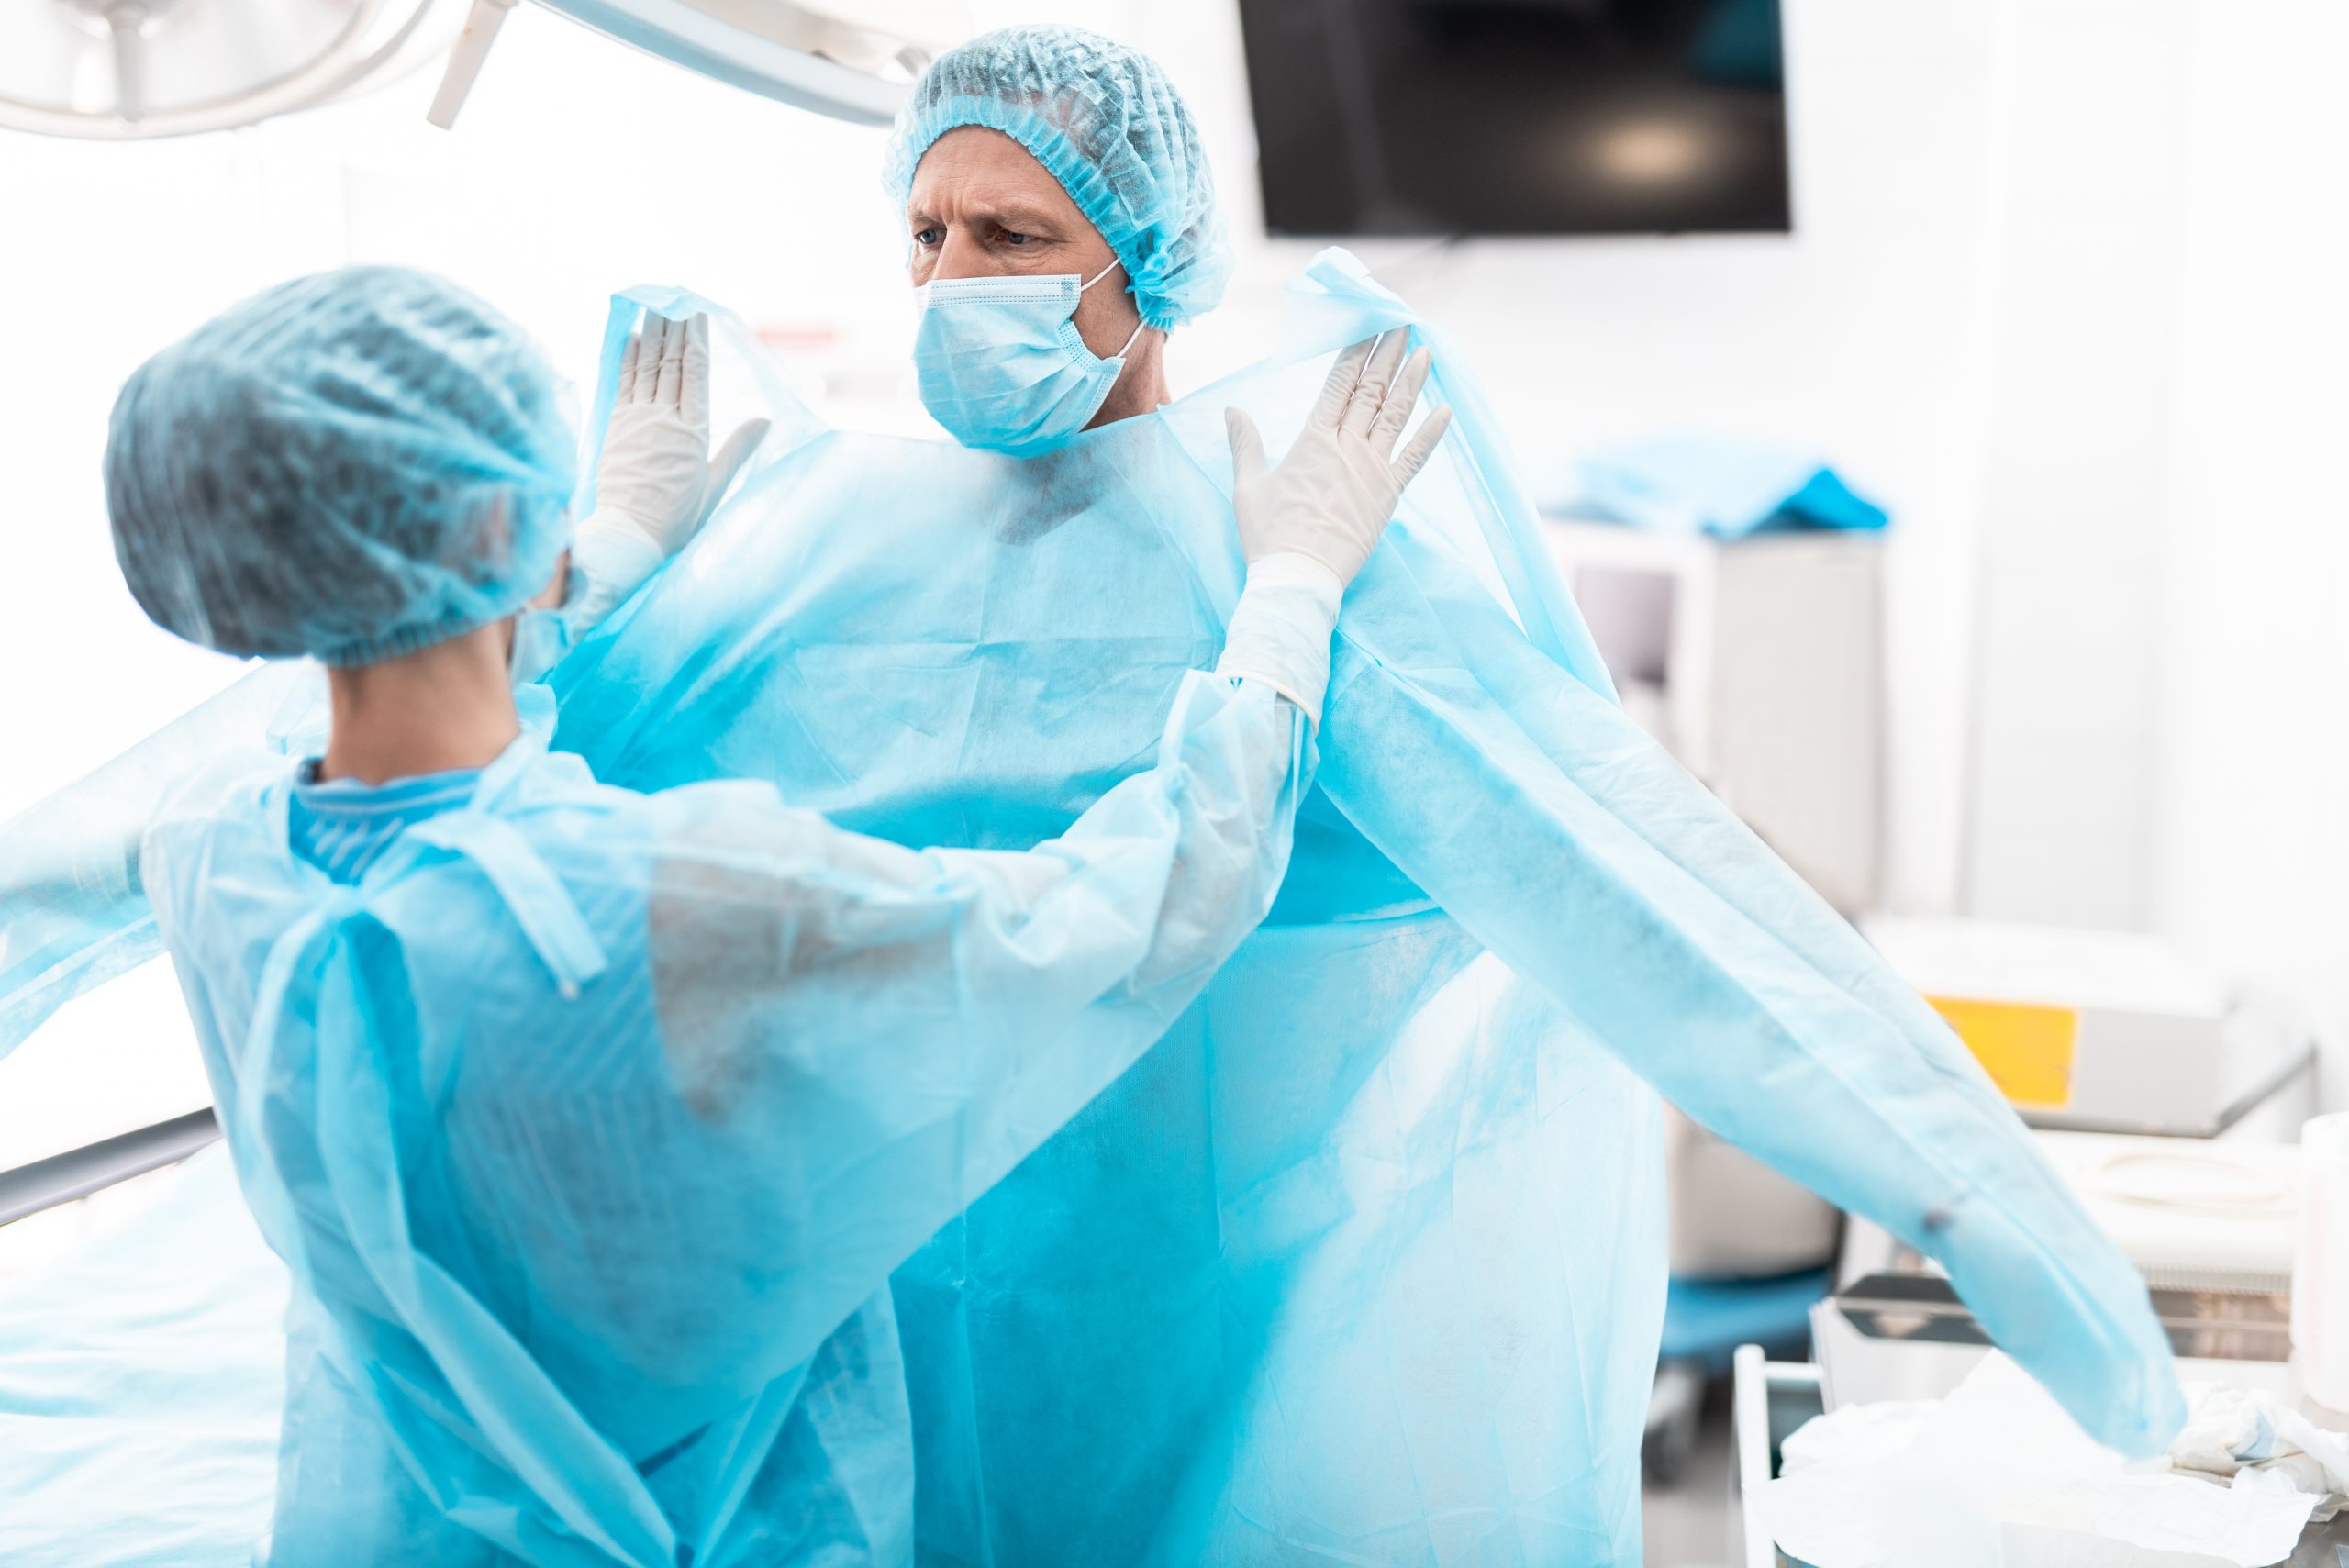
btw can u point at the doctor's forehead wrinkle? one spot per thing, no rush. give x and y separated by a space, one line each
974 171
994 205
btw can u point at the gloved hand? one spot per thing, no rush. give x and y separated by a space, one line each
1307 526
656 483
1335 492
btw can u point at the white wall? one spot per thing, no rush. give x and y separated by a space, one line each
2251 798
2091 146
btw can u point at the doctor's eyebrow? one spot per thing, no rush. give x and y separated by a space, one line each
1019 217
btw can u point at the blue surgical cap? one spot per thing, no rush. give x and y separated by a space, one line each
1111 126
353 466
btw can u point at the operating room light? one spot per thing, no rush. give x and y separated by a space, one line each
851 60
128 70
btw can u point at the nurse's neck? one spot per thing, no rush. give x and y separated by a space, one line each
439 709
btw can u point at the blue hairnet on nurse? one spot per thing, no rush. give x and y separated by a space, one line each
363 463
353 466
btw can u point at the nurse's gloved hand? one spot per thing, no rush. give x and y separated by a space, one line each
656 483
1335 492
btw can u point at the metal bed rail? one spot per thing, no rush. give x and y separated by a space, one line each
77 1174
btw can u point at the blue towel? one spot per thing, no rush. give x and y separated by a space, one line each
1718 486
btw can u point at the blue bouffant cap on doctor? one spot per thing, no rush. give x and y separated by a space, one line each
1108 124
353 465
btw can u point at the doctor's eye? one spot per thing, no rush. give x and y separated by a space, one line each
932 235
1013 237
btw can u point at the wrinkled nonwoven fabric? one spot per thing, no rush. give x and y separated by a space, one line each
1362 1262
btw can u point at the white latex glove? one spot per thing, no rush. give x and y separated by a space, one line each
655 483
1335 492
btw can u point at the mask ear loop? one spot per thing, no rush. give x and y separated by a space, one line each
1136 336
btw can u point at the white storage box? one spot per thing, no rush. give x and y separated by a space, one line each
2094 1030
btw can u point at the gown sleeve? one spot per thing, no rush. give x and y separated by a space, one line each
1572 845
74 913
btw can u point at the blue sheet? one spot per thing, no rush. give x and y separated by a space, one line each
142 1378
1723 486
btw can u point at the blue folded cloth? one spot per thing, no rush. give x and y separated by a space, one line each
1722 485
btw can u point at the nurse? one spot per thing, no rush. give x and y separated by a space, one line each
592 1123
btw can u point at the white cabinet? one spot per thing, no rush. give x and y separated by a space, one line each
1759 664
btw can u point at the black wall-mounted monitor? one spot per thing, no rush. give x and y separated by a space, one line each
1518 117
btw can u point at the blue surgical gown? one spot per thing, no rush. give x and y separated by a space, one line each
1363 1262
592 1123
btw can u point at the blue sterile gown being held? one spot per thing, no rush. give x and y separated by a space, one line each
593 1123
1363 1261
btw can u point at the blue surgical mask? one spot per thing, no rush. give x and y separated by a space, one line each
1002 366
